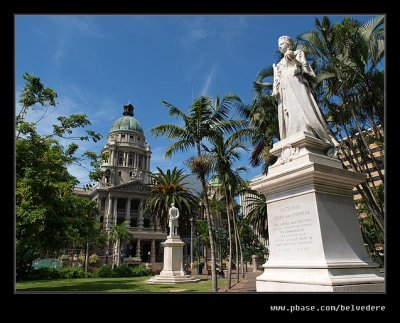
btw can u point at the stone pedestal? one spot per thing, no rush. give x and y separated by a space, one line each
315 239
254 263
173 271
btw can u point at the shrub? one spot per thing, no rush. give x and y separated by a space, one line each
140 270
123 271
44 274
72 272
105 272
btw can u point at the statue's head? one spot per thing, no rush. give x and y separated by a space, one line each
172 204
285 39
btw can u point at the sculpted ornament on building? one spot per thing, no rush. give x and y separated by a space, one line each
288 153
134 187
137 175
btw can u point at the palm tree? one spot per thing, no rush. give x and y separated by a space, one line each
118 233
349 59
166 188
206 119
263 129
224 154
257 215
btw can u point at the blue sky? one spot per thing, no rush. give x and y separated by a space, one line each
98 63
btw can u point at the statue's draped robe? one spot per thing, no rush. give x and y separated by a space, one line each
297 108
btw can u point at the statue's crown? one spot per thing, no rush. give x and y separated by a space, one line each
285 38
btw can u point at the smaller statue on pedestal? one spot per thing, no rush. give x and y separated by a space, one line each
173 213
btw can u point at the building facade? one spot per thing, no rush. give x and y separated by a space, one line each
122 190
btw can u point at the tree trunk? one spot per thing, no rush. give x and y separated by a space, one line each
210 221
87 256
229 268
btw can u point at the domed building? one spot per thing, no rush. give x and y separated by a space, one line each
121 192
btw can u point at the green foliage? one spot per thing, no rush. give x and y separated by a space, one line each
72 272
166 188
123 271
44 274
105 271
49 216
140 270
251 242
257 216
93 259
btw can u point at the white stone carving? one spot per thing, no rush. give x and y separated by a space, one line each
288 153
297 109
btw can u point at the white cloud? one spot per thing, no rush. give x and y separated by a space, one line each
207 83
68 28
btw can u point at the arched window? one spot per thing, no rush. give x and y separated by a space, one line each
120 158
130 163
107 176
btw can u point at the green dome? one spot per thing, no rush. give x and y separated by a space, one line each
127 123
214 181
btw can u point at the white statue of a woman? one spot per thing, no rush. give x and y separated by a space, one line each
297 109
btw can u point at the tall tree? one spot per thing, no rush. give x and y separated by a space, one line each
166 188
205 119
48 216
118 233
263 129
349 58
224 154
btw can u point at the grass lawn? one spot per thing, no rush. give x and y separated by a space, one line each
129 284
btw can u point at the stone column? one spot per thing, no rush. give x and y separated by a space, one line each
254 264
148 163
111 160
115 210
138 248
140 215
128 211
153 251
109 212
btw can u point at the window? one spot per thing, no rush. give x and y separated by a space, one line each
120 158
101 219
135 205
122 136
140 161
121 204
130 163
119 173
146 223
102 204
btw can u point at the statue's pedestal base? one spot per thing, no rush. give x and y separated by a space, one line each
173 271
315 239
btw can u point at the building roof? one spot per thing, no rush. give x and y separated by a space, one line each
127 122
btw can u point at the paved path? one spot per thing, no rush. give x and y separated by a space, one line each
245 285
